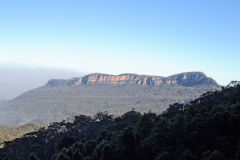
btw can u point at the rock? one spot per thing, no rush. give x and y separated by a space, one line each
185 79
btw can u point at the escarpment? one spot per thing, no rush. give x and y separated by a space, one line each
185 79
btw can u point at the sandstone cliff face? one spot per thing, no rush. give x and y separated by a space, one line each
116 79
87 95
186 79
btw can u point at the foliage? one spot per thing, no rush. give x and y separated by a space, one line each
54 104
205 129
10 133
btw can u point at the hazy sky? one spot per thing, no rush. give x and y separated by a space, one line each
158 37
18 79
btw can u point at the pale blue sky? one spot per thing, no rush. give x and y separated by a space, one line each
158 37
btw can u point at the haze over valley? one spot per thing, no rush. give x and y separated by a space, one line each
17 79
60 99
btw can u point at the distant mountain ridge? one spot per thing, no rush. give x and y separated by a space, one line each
117 94
185 79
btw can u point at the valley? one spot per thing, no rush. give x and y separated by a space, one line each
61 99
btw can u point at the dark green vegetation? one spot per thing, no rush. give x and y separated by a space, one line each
205 129
60 99
10 133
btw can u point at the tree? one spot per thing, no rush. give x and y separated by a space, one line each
215 155
101 116
145 124
32 156
65 142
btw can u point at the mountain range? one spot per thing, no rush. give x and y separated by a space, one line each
184 79
207 128
60 99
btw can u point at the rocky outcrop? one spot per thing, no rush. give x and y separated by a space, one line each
191 79
116 79
61 99
185 79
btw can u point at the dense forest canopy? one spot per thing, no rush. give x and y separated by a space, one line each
205 129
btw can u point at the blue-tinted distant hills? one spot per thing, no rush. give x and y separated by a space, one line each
60 99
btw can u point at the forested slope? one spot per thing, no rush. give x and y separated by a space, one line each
205 129
10 133
60 99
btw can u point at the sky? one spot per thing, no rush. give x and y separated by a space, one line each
155 37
